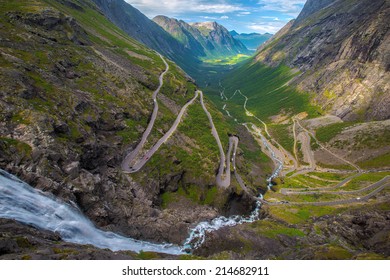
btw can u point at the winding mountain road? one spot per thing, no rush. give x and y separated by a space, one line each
308 155
329 151
233 140
162 140
365 189
337 186
130 157
132 163
380 186
276 153
223 175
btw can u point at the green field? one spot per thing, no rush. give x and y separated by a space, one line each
326 133
227 60
267 92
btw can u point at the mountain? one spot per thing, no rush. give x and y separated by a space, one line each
252 40
206 39
141 28
234 33
187 35
340 49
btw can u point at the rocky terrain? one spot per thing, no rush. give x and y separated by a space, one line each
341 50
75 96
205 39
22 242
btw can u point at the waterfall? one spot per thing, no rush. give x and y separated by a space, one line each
21 202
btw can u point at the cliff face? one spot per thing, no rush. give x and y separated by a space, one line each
205 39
342 50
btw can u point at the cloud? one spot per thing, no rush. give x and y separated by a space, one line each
266 27
208 18
272 18
243 14
170 7
291 7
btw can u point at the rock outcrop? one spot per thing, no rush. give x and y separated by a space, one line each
341 49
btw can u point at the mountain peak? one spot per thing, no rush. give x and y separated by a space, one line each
313 6
204 39
206 26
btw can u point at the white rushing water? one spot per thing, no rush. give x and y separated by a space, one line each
273 155
20 202
198 234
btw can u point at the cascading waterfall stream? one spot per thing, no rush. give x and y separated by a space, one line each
198 234
20 202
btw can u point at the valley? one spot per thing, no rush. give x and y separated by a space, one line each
226 156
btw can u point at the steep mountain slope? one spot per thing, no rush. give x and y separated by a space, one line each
341 49
189 36
253 40
76 96
141 28
207 39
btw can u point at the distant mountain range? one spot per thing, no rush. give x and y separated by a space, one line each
183 43
252 41
203 39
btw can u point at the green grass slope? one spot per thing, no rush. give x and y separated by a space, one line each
267 89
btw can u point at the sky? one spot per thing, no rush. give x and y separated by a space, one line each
245 16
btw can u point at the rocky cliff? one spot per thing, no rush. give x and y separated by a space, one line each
341 49
206 39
